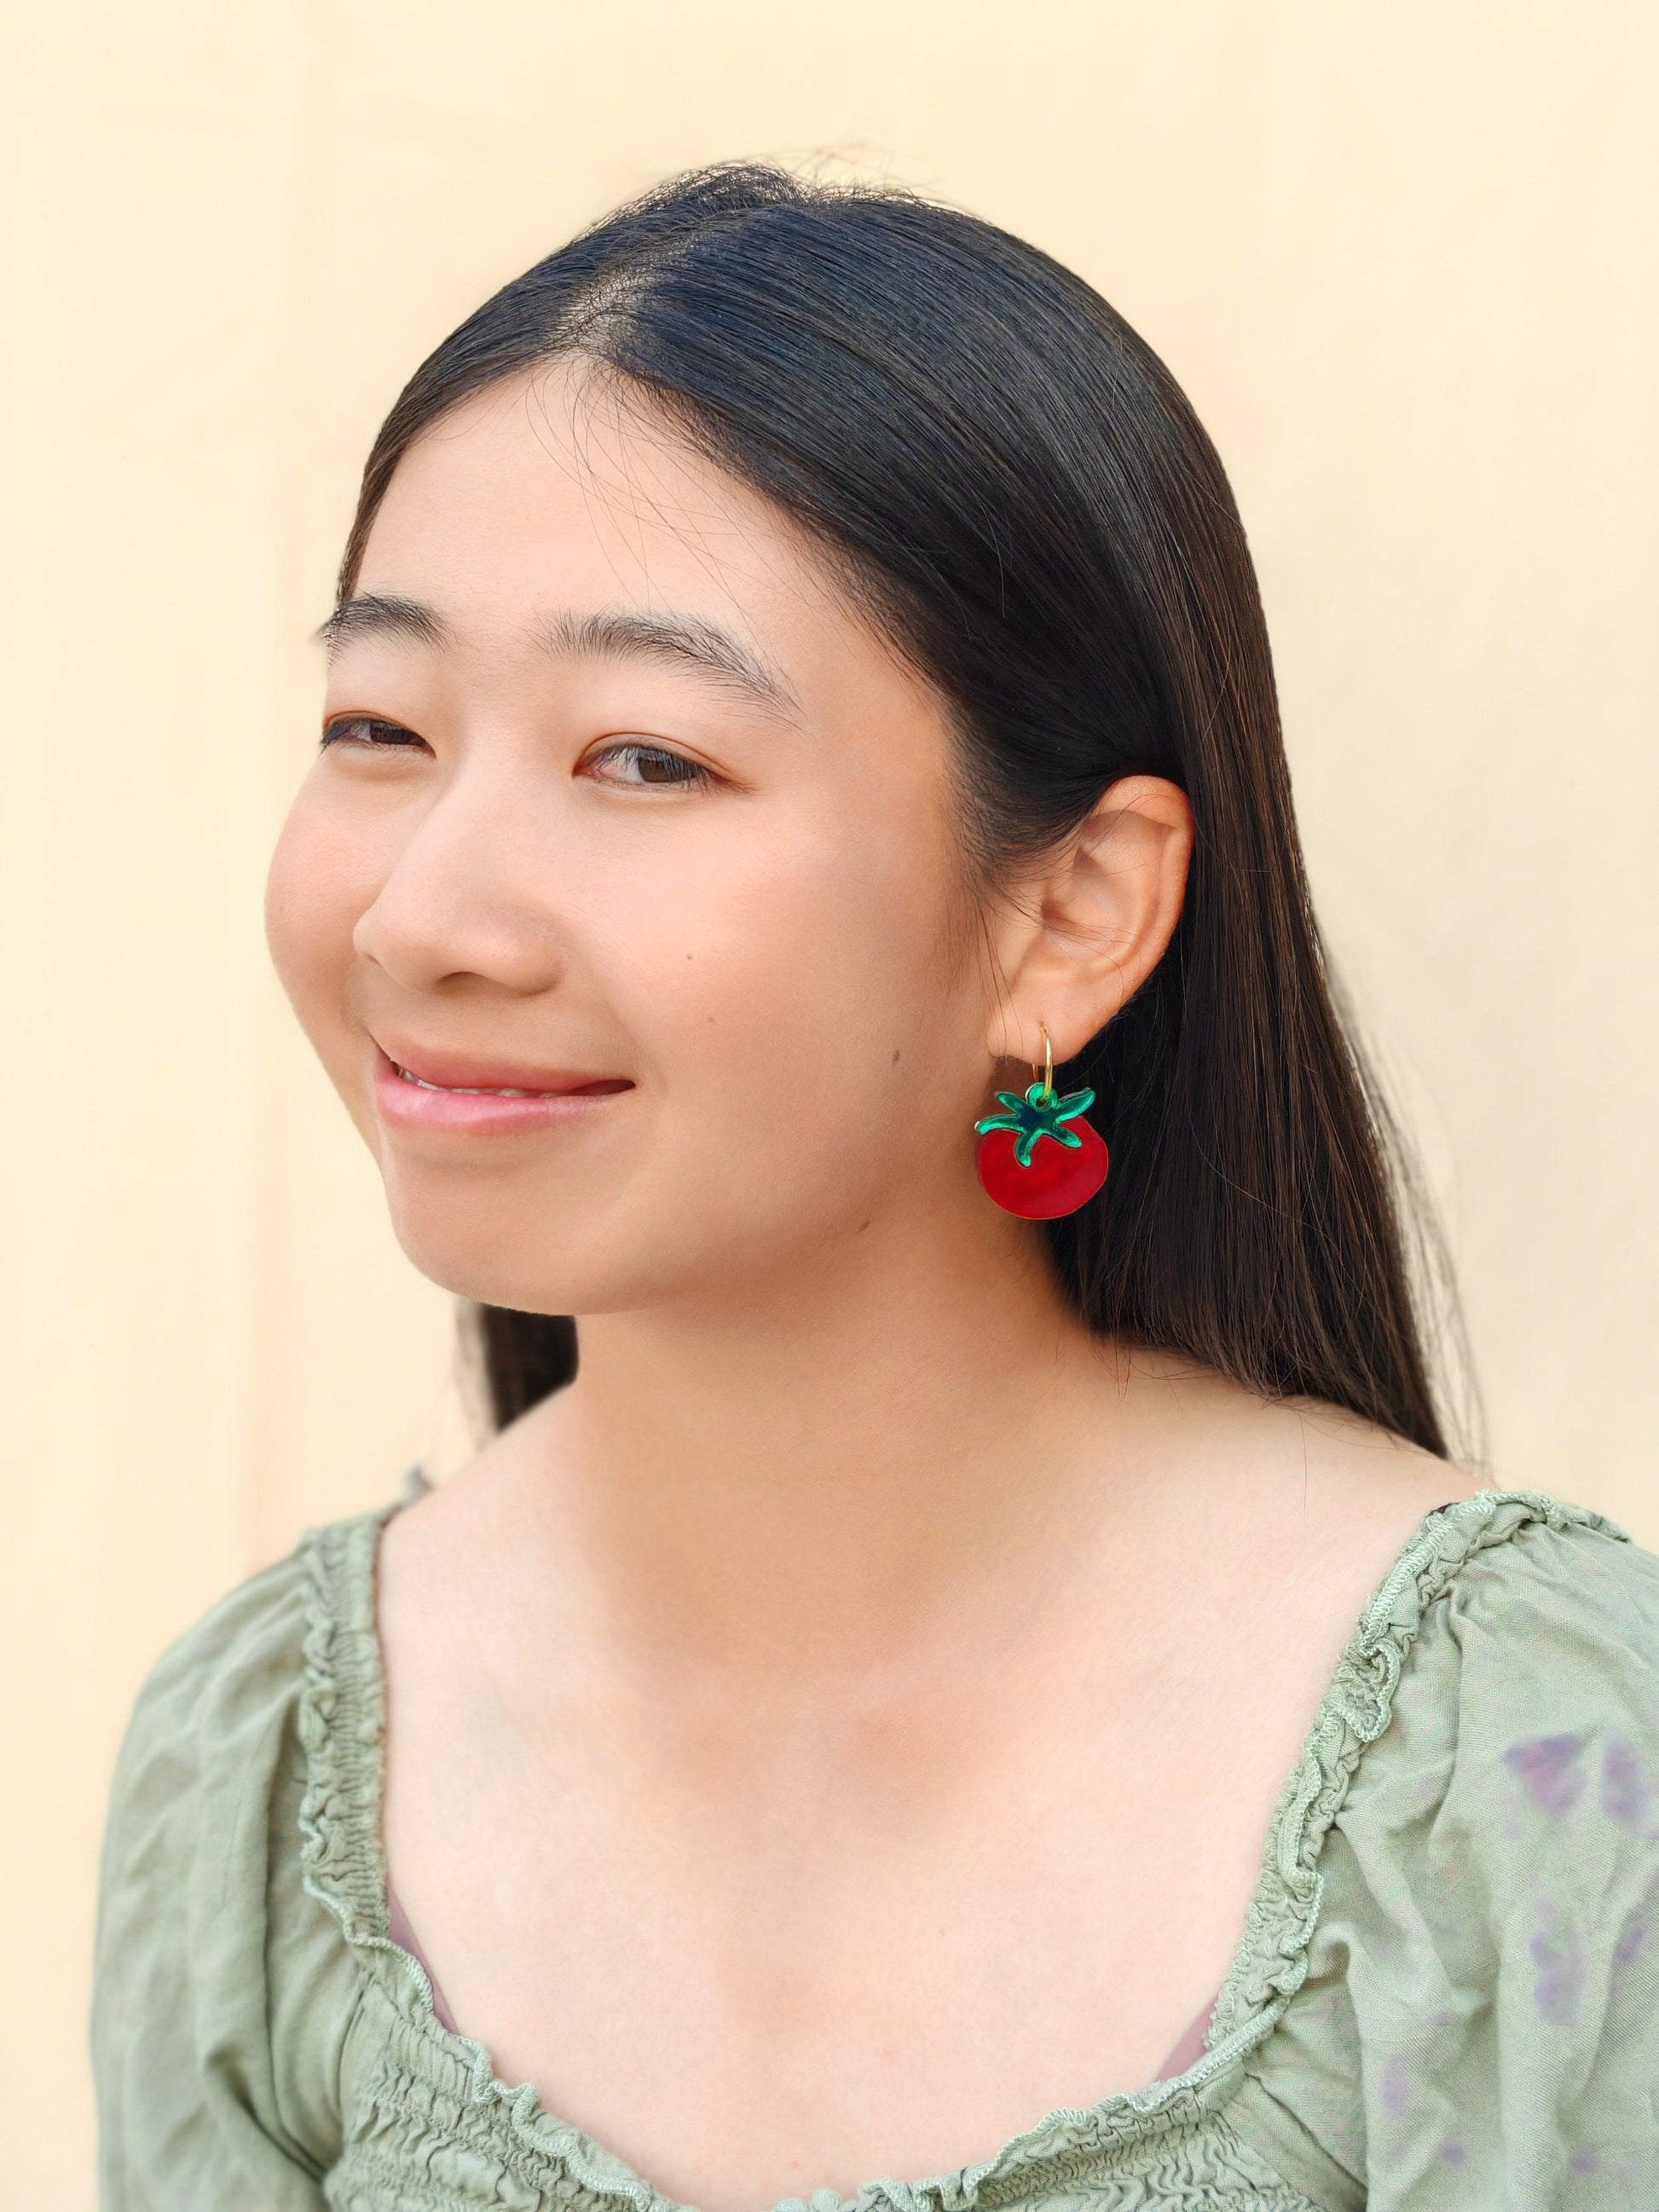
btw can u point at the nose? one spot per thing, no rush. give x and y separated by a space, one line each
469 894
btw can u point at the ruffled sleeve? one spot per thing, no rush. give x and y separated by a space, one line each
1480 2023
224 1992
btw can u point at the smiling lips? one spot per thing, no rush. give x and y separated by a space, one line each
444 1092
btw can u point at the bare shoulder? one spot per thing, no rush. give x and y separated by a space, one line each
1364 1492
1297 1499
1354 1469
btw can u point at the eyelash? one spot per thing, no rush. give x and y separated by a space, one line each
345 728
355 729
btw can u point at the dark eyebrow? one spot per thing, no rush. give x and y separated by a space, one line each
619 634
382 614
614 633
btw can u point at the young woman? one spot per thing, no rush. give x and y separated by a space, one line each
975 1671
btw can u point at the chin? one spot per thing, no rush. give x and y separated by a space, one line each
551 1264
524 1281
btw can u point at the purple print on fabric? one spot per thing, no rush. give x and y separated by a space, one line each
1626 1788
1632 1938
1550 1770
1396 2087
1558 1955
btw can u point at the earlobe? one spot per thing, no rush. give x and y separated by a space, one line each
1096 921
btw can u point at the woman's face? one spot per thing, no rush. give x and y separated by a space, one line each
620 805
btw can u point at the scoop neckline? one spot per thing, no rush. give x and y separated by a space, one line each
342 1718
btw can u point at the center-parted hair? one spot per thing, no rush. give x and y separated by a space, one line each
1023 498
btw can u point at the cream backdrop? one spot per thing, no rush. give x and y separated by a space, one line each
1403 259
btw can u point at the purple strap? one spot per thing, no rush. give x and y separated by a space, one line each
398 1927
1189 2050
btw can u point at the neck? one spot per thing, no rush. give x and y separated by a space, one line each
839 1457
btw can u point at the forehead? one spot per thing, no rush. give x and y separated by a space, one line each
563 490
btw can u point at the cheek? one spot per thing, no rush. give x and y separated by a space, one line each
808 1044
812 1036
312 907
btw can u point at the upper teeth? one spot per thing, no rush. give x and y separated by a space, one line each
467 1090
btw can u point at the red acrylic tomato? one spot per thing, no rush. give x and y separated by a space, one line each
1038 1158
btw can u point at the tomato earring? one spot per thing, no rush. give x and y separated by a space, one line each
1039 1158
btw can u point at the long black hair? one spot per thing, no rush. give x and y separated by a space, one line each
1021 494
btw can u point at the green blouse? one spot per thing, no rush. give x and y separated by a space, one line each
1447 1995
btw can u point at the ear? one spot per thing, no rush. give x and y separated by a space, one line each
1078 937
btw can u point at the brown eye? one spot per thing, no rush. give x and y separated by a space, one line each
639 764
368 730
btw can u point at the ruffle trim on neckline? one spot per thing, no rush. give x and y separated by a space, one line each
341 1724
